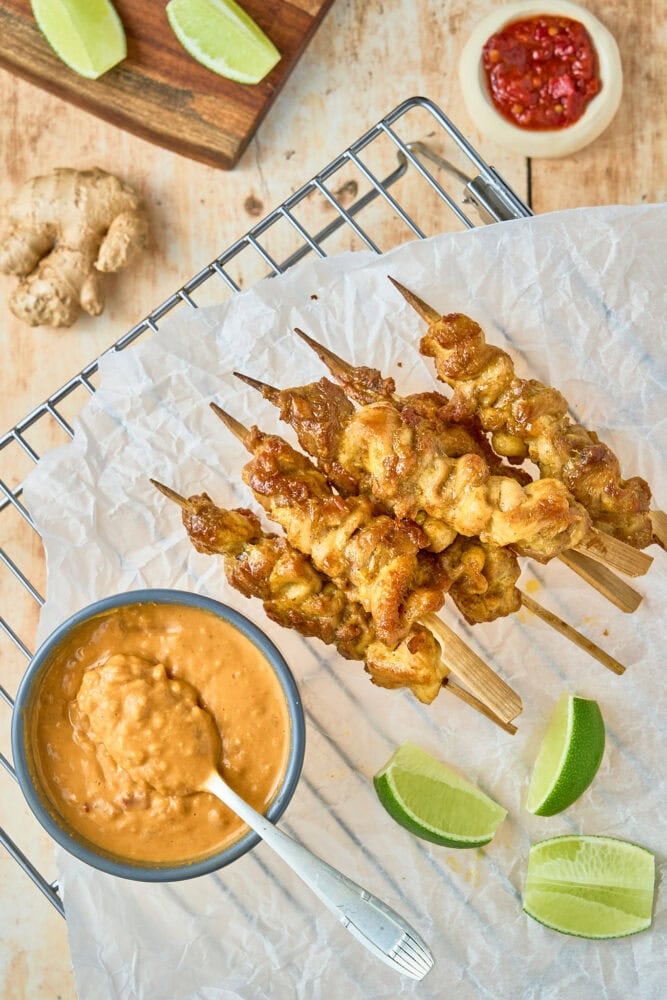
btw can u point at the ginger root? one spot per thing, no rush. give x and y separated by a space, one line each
60 231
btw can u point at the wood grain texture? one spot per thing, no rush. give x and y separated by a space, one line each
159 91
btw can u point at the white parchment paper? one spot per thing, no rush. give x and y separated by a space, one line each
579 300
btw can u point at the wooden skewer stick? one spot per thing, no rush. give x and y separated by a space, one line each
336 365
238 430
598 545
268 391
479 706
423 309
659 522
616 590
613 552
171 494
476 674
456 655
572 634
447 684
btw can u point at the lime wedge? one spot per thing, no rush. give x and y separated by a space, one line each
434 802
593 887
569 757
86 34
221 36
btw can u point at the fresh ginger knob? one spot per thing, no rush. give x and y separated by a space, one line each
59 233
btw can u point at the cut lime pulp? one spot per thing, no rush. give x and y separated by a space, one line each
435 803
86 34
220 35
569 756
593 887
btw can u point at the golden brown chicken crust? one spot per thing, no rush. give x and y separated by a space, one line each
408 468
413 659
297 596
364 385
529 418
320 410
405 458
479 597
458 438
484 580
212 529
374 558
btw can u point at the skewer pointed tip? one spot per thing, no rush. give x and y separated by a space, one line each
268 391
427 312
232 424
337 366
308 340
171 494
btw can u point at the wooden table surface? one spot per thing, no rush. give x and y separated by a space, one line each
366 58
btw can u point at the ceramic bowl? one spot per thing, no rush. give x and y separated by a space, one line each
62 832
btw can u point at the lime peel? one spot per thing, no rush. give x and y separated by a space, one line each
592 887
569 757
221 36
435 803
87 35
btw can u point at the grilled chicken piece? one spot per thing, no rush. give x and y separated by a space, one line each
435 475
297 596
374 558
529 419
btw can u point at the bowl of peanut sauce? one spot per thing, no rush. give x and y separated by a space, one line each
116 668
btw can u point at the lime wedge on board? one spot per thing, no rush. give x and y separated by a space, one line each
220 35
593 887
569 757
86 34
435 803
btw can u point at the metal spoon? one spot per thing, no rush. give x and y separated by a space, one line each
181 759
379 928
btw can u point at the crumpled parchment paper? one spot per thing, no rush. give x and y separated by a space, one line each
579 300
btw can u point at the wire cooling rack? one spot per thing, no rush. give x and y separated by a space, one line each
441 179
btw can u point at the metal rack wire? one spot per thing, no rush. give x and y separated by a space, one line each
460 182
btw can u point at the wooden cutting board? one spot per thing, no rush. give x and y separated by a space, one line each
160 92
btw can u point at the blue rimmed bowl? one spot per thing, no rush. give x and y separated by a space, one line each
60 830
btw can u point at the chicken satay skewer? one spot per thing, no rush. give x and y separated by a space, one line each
601 545
320 609
372 387
623 557
277 397
409 463
472 670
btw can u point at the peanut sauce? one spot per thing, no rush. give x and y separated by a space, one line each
119 739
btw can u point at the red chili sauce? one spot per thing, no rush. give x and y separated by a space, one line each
542 71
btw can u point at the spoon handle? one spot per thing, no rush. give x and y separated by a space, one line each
379 928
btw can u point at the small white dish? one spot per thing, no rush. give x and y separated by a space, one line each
543 142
